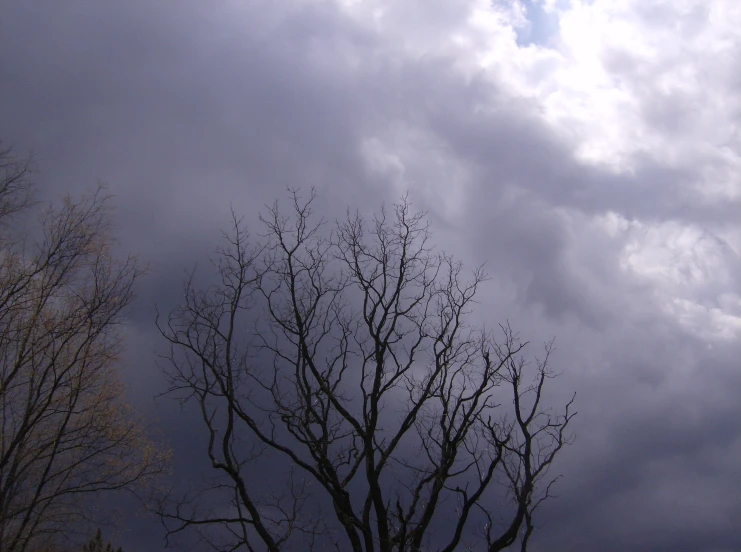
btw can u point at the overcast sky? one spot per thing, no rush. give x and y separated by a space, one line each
589 152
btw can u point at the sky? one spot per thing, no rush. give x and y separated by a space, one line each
588 152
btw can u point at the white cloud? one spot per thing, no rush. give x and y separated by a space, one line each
694 274
625 82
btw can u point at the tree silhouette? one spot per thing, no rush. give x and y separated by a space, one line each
96 545
67 435
345 357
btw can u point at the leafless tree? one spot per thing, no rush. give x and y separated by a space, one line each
15 182
66 433
345 352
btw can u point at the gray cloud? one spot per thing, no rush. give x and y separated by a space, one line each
188 108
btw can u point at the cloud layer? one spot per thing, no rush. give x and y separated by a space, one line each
588 152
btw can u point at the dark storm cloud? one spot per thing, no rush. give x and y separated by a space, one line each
188 108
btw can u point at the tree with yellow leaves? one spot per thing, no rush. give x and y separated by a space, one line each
67 436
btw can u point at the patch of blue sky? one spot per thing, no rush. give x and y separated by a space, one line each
541 24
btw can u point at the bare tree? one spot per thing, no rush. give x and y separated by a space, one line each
346 354
66 433
15 184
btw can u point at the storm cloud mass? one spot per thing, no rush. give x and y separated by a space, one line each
588 152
